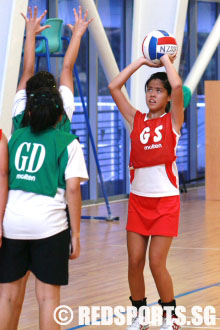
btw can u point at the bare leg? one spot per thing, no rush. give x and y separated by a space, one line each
48 297
11 300
137 246
158 251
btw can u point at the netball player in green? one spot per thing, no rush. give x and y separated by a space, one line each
46 166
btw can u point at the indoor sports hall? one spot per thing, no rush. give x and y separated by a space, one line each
99 277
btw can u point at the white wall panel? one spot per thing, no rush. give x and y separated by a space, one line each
11 36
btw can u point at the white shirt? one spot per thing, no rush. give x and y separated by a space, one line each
33 216
66 94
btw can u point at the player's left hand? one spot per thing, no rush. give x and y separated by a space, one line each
171 57
81 22
75 243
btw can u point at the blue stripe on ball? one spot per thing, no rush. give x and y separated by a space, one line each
164 33
153 48
159 55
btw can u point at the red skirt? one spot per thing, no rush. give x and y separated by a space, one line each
153 215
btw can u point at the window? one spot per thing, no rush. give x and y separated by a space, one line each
78 126
201 18
206 20
111 131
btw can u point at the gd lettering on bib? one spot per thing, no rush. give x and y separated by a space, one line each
37 162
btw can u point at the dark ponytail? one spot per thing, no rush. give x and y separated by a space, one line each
41 79
43 109
162 76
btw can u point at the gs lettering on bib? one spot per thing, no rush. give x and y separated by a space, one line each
153 141
37 162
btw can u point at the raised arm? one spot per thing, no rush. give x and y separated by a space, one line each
73 197
78 30
115 86
3 180
33 27
175 81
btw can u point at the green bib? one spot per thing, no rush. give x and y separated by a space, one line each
37 162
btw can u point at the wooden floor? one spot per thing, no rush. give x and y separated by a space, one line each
99 276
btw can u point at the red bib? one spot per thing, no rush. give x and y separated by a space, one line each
153 141
0 134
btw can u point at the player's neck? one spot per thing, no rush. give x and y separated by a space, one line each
155 114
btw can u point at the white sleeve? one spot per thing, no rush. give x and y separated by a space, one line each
68 101
19 102
76 166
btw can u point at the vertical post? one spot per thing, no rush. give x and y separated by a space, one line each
192 114
93 146
128 45
93 115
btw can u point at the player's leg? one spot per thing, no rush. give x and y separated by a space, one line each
137 246
48 296
158 251
11 300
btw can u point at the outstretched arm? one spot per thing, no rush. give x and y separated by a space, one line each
78 30
3 180
126 109
33 27
176 94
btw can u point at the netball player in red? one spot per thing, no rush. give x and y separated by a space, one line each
154 204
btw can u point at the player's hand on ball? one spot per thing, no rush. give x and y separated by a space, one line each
150 63
171 57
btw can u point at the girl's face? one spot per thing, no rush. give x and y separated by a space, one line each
156 96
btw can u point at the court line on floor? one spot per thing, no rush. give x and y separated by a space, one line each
155 303
192 248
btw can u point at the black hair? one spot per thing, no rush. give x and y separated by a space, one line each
43 109
162 76
40 80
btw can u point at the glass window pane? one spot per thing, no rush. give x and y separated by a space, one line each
206 21
111 132
78 125
41 4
